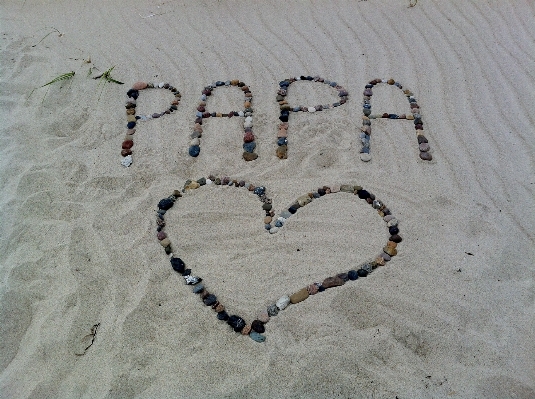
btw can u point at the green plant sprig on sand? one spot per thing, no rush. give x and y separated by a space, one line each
59 78
107 76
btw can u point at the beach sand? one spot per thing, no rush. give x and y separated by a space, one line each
90 306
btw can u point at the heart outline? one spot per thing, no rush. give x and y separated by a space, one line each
256 328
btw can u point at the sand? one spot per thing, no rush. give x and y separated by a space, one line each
451 316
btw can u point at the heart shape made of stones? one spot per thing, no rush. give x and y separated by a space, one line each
256 328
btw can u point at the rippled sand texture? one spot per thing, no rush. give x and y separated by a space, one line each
90 306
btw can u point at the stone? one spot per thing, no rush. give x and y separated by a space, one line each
385 256
218 307
282 152
166 204
257 337
352 275
127 144
248 137
273 230
197 289
139 86
272 310
236 322
332 282
346 188
283 302
282 133
258 326
161 235
250 156
421 139
195 142
426 156
165 242
380 261
222 316
392 222
395 238
390 251
312 289
126 153
249 147
178 265
424 147
246 330
263 316
299 296
304 200
267 220
194 150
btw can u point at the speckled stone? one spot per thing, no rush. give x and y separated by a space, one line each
272 310
249 156
263 316
312 289
390 251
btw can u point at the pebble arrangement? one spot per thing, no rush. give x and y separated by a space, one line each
415 116
285 108
249 144
256 329
132 119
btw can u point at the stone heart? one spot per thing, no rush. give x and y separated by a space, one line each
256 328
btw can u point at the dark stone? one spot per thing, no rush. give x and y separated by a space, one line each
165 204
282 118
258 326
362 273
293 209
236 322
249 147
343 276
282 141
321 192
178 265
186 272
395 238
194 150
393 230
352 275
130 125
363 194
223 316
321 288
422 139
259 190
210 300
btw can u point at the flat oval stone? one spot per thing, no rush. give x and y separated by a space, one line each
312 289
161 235
210 300
299 296
332 282
249 156
352 275
257 337
395 238
283 302
139 86
165 204
246 330
165 242
426 156
346 188
311 109
194 142
249 147
248 137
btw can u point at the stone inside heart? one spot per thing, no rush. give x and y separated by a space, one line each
273 224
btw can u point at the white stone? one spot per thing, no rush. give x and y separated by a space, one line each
273 230
365 157
283 302
240 113
249 119
311 109
160 85
127 161
208 181
195 141
248 124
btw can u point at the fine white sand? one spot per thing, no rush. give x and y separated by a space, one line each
451 316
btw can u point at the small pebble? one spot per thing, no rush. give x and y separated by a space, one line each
258 326
194 150
283 302
257 337
272 310
246 330
263 316
365 157
249 156
352 275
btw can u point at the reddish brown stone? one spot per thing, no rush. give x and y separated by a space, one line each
332 282
127 144
139 86
126 152
248 137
